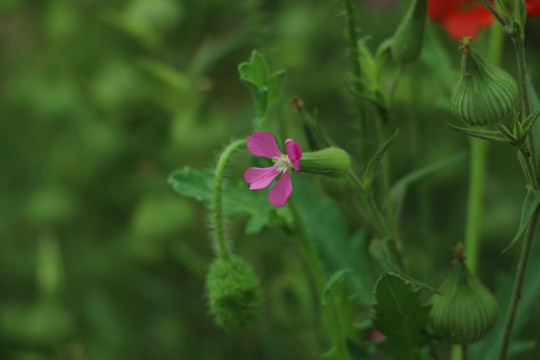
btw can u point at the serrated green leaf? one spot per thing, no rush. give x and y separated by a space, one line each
369 173
338 308
400 316
254 72
531 202
236 199
490 135
379 249
274 86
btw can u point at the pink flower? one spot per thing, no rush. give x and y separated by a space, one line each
262 143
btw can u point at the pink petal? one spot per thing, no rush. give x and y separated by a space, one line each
259 178
262 143
280 193
294 152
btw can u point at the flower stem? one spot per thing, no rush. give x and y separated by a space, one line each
518 284
357 74
313 262
223 249
529 161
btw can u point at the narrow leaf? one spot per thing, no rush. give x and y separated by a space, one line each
531 202
369 173
490 135
400 316
529 122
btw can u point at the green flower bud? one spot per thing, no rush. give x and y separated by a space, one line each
484 93
409 36
467 310
234 292
331 161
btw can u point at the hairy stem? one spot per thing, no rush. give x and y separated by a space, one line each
219 229
357 74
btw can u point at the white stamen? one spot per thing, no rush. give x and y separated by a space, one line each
283 163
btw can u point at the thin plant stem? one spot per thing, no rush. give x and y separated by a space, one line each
306 244
456 353
479 150
530 168
518 284
219 229
494 12
357 74
478 167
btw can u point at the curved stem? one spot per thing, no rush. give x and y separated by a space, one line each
223 249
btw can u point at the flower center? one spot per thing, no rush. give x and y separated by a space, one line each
283 163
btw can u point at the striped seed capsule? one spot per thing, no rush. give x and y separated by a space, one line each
466 311
484 93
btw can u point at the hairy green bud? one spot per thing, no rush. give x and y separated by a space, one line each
234 292
484 93
467 310
330 161
409 36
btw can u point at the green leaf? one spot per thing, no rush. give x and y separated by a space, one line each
336 248
529 122
380 250
274 86
490 135
398 191
254 72
400 316
531 202
236 199
265 87
338 308
369 173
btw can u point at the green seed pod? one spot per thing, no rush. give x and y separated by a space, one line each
331 161
467 310
409 36
234 292
484 93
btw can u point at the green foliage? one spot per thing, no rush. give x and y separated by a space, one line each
265 86
338 309
400 316
236 199
490 135
369 173
530 204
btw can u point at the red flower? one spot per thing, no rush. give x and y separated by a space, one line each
467 17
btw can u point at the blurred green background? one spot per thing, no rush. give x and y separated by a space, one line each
101 100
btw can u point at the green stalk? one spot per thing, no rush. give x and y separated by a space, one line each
530 168
518 284
223 249
357 74
478 162
304 241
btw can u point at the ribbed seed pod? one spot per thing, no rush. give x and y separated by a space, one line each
466 311
330 161
484 93
234 292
